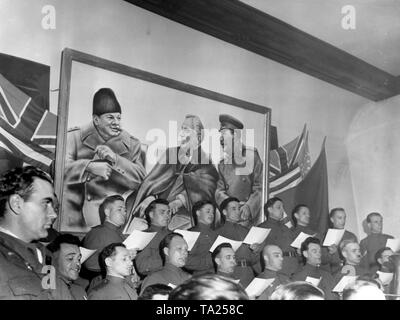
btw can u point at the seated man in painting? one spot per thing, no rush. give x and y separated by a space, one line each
102 159
183 175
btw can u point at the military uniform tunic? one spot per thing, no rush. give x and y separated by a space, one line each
98 238
326 284
370 245
169 274
21 270
281 236
149 260
113 288
199 260
280 279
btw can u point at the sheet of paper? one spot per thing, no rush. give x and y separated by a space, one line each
333 236
300 239
189 236
138 239
86 253
173 286
313 281
221 239
346 280
385 277
256 235
257 286
393 244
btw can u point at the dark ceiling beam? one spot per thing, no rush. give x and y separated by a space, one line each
261 33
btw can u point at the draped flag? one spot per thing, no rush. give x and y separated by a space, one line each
27 129
293 180
289 164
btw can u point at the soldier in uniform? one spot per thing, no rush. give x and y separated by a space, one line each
331 257
280 234
112 216
116 263
102 159
199 260
174 252
247 256
26 213
374 241
67 261
273 260
311 251
240 172
225 263
351 253
158 216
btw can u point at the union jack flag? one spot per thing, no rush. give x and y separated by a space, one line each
289 164
27 130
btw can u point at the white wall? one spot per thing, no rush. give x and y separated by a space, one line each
130 35
373 147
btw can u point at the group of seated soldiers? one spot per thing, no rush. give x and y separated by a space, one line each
115 272
31 270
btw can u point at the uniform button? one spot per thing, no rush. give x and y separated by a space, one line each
227 186
89 197
244 179
88 179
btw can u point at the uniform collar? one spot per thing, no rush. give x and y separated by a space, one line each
109 225
267 274
171 267
6 231
116 280
202 227
154 228
225 274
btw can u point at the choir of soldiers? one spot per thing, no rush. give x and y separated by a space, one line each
28 212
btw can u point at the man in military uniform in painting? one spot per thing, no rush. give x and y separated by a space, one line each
102 159
240 171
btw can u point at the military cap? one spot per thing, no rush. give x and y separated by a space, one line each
229 122
105 101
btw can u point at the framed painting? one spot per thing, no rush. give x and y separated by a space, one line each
169 142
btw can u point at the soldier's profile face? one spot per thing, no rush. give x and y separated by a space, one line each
160 215
108 124
352 253
339 220
69 261
274 259
226 260
116 212
38 212
206 214
276 211
313 254
232 211
177 252
385 256
303 216
121 263
376 224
